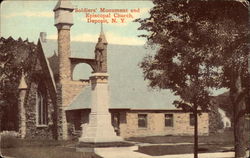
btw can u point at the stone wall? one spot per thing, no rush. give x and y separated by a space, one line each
33 131
156 124
70 90
66 92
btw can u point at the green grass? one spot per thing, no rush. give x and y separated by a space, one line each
65 149
44 149
219 138
219 142
40 152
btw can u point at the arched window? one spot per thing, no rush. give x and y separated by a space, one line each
41 106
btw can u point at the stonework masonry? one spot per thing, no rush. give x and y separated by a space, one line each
64 54
33 131
22 113
64 87
156 124
99 128
66 92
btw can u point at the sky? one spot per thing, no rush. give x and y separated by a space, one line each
26 19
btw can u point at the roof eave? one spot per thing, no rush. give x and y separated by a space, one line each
51 76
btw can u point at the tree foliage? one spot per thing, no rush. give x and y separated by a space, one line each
201 45
15 56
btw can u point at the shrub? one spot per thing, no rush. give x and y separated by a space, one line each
8 139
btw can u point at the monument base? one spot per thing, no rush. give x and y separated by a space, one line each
99 129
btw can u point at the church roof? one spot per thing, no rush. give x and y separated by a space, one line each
128 89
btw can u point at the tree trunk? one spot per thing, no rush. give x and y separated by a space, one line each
195 132
248 71
239 120
239 130
1 117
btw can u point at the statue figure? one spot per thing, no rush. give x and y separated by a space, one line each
99 55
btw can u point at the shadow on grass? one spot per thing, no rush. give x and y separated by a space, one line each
179 149
218 138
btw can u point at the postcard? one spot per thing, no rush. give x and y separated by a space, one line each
124 79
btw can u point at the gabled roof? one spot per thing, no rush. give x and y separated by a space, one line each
53 63
128 89
47 69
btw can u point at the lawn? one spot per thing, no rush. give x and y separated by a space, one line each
65 149
220 142
182 149
44 149
224 138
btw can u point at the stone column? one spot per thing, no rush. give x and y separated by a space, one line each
21 109
63 12
22 114
99 129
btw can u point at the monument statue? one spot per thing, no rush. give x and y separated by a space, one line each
99 57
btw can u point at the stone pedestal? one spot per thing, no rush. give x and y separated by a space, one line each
99 128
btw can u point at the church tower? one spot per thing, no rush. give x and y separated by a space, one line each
63 22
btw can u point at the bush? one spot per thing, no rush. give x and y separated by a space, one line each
9 139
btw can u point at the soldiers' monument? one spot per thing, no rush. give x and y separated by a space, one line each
99 129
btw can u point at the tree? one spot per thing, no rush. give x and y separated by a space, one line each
201 45
233 34
15 56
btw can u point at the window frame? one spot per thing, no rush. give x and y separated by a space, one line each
142 117
169 118
41 107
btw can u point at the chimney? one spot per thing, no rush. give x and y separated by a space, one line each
43 36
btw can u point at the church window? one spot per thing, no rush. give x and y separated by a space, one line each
142 120
41 106
169 120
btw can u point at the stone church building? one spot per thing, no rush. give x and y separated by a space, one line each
54 105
